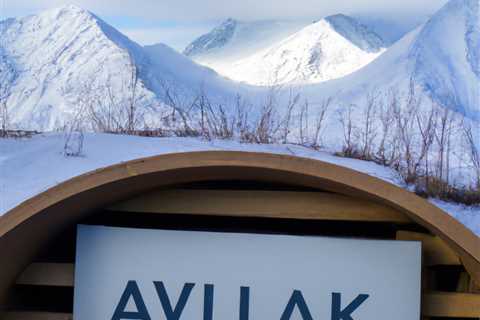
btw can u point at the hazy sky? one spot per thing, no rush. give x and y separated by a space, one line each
176 22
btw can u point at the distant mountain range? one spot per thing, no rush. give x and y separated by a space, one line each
327 49
51 60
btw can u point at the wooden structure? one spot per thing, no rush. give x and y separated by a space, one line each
228 191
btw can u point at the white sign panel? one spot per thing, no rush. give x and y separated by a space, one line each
182 275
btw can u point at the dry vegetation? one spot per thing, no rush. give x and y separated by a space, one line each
424 145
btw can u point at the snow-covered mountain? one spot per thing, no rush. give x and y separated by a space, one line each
441 57
53 59
330 48
219 37
233 40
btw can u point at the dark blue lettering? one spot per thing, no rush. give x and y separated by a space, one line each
296 300
345 314
208 302
170 312
244 303
131 290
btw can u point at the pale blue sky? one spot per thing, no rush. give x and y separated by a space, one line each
177 22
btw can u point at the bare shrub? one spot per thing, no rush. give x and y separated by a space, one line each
387 152
286 124
367 131
311 128
73 146
180 105
132 98
349 148
472 149
267 124
74 134
316 140
7 75
409 159
445 126
304 120
265 127
426 125
242 122
3 118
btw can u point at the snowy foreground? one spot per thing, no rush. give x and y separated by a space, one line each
30 166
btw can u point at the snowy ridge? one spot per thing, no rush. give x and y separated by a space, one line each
328 49
22 178
355 32
217 38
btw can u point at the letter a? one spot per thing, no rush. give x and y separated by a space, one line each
173 313
345 314
296 300
131 290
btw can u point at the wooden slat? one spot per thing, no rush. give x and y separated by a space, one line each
21 315
435 250
473 269
466 284
48 274
275 204
451 304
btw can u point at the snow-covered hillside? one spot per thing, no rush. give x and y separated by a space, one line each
330 48
446 56
441 57
59 56
21 178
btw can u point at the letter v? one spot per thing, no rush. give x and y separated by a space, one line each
173 313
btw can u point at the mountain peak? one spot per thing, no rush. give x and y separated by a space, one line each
216 38
70 8
66 11
357 33
339 16
228 22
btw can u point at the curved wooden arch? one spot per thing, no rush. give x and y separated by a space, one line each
29 226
